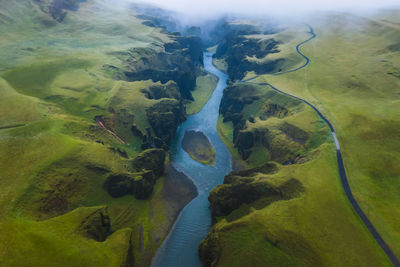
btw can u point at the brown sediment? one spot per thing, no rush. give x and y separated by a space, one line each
178 190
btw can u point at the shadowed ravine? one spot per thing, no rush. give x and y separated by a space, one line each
194 222
342 172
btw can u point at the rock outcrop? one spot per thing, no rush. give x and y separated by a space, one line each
149 166
150 159
179 61
242 188
138 184
58 8
168 90
164 118
246 139
239 188
96 225
274 110
236 48
176 67
282 140
210 249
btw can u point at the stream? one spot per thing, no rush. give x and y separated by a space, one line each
193 223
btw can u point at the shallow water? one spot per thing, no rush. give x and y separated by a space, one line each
194 222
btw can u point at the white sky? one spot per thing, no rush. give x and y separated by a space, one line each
201 8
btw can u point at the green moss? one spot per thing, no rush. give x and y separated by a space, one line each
50 241
205 86
359 101
35 79
53 85
302 231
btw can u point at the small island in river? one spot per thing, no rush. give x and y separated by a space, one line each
197 145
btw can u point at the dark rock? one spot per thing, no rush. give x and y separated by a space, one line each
210 249
153 141
394 47
271 109
118 185
226 198
58 7
235 48
151 159
168 90
136 132
143 185
114 72
242 188
119 151
164 118
267 168
99 169
235 98
247 139
96 226
178 63
139 184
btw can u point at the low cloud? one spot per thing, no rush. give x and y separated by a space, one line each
210 8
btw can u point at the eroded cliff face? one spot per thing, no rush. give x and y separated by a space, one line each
240 193
266 131
173 70
178 62
243 53
261 121
58 9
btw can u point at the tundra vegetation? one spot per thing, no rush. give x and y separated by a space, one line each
91 96
92 92
284 202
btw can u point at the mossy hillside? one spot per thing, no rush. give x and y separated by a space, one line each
258 48
54 156
287 40
73 176
360 102
247 187
38 243
271 230
268 126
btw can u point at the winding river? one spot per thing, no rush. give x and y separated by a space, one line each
194 221
192 225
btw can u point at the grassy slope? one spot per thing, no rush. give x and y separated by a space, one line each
319 228
205 86
40 243
357 88
52 85
287 40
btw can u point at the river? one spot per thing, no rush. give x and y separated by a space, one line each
194 222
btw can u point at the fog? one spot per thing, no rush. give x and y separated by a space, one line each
201 9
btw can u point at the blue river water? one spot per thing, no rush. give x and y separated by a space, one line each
180 248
